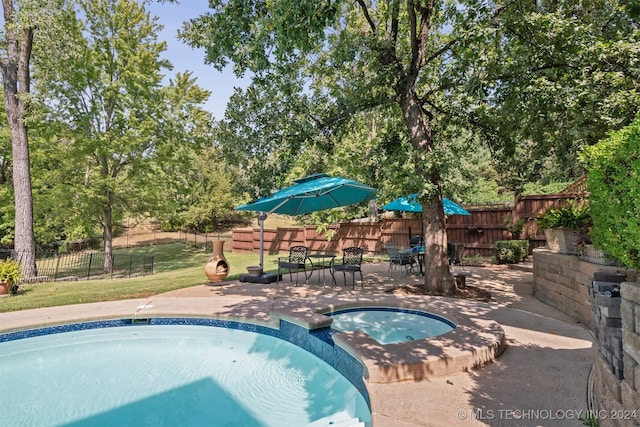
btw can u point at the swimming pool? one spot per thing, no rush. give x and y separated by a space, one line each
389 325
168 374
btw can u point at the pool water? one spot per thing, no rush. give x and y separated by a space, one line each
169 375
391 325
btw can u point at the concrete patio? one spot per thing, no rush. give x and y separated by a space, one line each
541 378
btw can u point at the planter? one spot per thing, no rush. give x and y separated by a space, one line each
552 240
255 270
567 240
217 268
594 255
5 287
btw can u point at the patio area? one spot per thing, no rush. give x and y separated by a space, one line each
541 377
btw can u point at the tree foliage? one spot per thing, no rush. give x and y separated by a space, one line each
582 83
211 199
122 126
525 79
614 183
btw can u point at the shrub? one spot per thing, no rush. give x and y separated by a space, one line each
613 167
574 215
515 228
511 251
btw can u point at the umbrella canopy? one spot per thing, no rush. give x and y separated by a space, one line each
311 194
410 204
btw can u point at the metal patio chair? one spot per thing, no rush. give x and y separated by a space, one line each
404 261
351 263
296 261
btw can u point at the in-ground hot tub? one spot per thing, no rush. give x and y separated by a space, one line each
390 325
468 339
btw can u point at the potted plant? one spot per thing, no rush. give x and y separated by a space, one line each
563 226
515 228
10 273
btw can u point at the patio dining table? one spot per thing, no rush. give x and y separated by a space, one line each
324 262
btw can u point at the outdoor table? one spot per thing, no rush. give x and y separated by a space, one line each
320 261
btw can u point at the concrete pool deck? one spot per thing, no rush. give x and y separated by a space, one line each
541 378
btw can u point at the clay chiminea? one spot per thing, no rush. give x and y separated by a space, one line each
217 268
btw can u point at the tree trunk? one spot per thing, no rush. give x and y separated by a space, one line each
24 241
16 79
437 278
108 234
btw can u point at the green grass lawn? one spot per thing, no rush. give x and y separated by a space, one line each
176 266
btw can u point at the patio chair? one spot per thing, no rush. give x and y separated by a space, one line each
454 253
416 240
404 261
296 261
351 263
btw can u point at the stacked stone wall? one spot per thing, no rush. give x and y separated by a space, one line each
616 376
564 282
614 306
607 327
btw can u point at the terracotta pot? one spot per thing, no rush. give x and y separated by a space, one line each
5 287
217 268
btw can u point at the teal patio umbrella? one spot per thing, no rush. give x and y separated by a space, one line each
309 194
410 203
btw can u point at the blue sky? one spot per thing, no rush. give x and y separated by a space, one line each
184 58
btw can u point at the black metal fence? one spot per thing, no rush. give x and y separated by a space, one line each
54 266
152 238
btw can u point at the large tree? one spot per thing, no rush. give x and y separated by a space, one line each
23 19
16 84
122 124
440 66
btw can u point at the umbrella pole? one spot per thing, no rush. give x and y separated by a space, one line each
261 217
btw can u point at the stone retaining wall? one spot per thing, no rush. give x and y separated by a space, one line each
561 281
606 302
616 375
564 282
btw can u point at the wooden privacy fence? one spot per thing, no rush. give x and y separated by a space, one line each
478 231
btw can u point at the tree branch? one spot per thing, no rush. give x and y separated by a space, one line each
411 11
395 12
489 131
365 11
26 47
426 12
352 109
500 77
419 35
440 51
7 9
551 66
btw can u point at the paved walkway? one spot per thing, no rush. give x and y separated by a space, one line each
540 379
